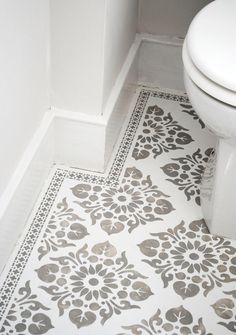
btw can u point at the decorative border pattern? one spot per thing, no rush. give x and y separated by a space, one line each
28 243
119 161
169 96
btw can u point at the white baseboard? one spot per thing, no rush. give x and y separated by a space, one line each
17 201
87 141
77 140
67 138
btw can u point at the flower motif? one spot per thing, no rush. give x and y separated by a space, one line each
177 320
27 315
194 257
93 284
125 199
136 201
160 133
191 258
63 229
186 172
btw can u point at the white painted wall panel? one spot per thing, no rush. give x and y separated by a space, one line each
120 31
90 41
168 17
24 80
77 53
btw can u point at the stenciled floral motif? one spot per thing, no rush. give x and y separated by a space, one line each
160 133
136 201
27 315
91 285
186 172
177 320
63 229
191 258
189 110
225 308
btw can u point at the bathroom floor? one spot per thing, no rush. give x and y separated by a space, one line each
126 252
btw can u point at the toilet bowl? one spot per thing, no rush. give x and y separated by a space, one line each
209 57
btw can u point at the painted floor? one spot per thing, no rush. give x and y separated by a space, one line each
126 252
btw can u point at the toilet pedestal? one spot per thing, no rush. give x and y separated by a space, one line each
218 190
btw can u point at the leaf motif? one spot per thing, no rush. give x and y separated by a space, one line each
223 308
141 291
163 207
133 173
105 248
171 169
185 290
140 153
81 190
81 319
42 324
46 272
78 231
148 247
179 314
112 227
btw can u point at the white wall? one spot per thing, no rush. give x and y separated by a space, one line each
24 79
90 41
168 17
77 39
120 31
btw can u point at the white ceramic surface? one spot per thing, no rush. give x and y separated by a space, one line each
209 74
211 42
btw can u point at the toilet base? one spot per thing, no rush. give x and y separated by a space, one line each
218 190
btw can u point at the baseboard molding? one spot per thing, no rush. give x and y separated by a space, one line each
87 141
76 140
18 200
67 138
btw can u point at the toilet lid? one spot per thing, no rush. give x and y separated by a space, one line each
211 42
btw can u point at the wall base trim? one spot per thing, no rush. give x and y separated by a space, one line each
74 139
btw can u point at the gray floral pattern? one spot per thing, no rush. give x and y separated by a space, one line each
33 317
186 173
137 201
191 259
225 308
63 230
176 320
93 284
187 108
160 134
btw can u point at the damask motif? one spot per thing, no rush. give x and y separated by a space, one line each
189 110
160 133
63 229
137 201
226 309
93 284
27 315
190 258
176 321
186 172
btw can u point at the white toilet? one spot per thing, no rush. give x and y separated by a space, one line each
209 56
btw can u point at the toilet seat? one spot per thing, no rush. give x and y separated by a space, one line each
212 88
209 52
